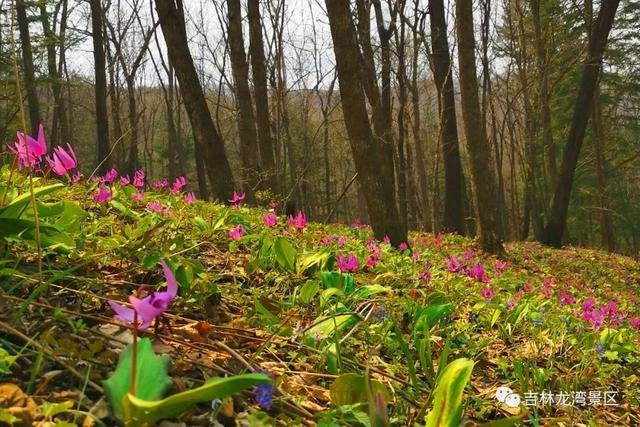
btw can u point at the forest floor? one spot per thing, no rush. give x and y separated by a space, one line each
560 328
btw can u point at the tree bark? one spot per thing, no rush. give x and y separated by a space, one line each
208 141
50 41
259 74
448 133
102 121
582 110
483 181
371 155
27 66
246 117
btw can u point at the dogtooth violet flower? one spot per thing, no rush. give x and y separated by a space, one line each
270 219
138 179
237 198
149 307
348 264
299 221
178 185
28 149
190 198
103 195
61 161
110 176
236 232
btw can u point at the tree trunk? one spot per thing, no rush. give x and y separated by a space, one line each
375 172
259 74
27 66
607 237
102 121
448 133
208 141
582 110
483 181
50 40
246 119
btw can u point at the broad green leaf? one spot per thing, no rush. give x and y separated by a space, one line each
494 317
267 315
308 291
349 389
285 254
326 295
50 410
327 326
15 207
140 411
447 404
430 315
369 290
152 380
316 260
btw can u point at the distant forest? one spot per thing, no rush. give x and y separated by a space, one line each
508 120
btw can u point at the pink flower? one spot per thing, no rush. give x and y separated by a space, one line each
634 322
138 179
149 307
453 265
125 180
236 232
342 240
76 177
386 240
593 316
178 185
103 195
426 274
155 206
138 196
326 240
487 293
403 246
28 149
477 272
566 298
415 256
527 287
500 265
110 176
190 198
588 304
299 222
372 260
160 184
270 219
350 264
62 162
237 199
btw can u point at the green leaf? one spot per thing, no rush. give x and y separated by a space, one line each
269 316
430 315
327 326
15 207
494 317
369 290
143 412
308 291
447 407
6 417
285 254
314 260
50 410
349 389
152 381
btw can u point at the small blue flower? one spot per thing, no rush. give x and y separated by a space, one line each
600 350
264 394
537 321
380 314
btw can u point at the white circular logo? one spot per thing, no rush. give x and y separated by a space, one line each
508 397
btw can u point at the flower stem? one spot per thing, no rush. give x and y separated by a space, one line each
134 355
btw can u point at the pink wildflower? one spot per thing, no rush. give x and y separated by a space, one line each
348 264
453 265
190 198
487 293
299 222
270 219
237 199
103 195
236 232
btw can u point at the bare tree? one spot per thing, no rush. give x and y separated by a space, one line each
209 143
102 121
483 180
